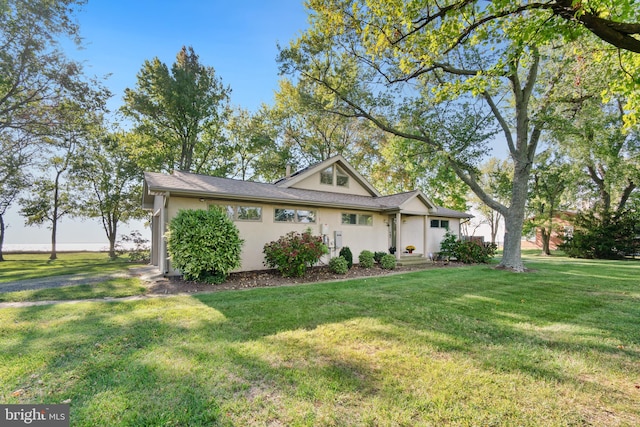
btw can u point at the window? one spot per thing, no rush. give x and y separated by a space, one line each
241 213
249 213
440 223
302 216
326 176
342 179
357 219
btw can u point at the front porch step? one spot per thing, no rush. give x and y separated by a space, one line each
413 259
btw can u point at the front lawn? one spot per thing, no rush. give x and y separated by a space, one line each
37 265
558 346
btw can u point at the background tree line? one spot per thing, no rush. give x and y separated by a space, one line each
414 94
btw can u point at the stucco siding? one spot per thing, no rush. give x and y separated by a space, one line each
313 183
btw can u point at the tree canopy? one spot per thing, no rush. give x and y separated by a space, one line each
179 113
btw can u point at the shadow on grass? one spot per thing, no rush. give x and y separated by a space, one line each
471 345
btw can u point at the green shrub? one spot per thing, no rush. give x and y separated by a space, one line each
467 252
366 259
346 253
378 256
388 262
204 245
339 265
292 253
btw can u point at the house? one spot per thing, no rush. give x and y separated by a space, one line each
331 198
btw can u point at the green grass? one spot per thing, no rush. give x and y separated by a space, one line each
34 266
558 346
114 288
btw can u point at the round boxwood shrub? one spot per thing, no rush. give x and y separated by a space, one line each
366 259
346 253
339 265
204 245
378 256
388 262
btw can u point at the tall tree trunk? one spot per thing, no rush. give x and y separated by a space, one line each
546 238
514 220
2 228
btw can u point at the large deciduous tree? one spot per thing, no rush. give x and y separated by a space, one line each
111 181
33 75
397 64
179 113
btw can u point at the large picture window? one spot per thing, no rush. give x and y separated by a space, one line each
302 216
357 219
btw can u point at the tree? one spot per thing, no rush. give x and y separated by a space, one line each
395 69
179 113
112 182
52 196
550 179
249 138
33 74
14 157
496 180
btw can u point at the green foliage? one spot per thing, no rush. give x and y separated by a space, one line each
377 256
449 245
179 112
292 253
204 245
468 252
346 253
366 259
388 262
339 265
140 252
603 238
471 252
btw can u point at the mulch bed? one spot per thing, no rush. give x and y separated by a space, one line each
271 278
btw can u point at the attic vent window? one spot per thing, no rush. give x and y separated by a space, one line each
334 175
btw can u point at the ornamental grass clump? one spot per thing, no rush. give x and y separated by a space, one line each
292 253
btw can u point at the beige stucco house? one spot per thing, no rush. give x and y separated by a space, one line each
331 198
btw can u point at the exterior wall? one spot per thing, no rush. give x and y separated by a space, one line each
313 183
256 233
435 235
412 233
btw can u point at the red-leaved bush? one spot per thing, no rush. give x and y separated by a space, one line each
292 253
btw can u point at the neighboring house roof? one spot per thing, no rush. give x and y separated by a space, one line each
210 187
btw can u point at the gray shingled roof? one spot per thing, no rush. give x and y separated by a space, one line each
204 186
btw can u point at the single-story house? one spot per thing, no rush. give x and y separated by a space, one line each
330 197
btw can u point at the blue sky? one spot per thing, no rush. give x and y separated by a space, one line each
238 38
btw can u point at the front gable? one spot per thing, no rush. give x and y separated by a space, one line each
334 175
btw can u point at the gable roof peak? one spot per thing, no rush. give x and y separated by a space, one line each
302 174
